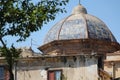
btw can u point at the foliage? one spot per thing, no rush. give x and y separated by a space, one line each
22 17
11 54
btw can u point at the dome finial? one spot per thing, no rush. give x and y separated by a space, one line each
79 9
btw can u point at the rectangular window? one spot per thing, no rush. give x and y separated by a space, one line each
55 75
1 73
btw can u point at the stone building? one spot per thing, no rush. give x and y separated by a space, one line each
79 47
112 64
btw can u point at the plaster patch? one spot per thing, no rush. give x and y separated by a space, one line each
43 73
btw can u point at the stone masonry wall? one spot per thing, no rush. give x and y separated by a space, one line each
73 68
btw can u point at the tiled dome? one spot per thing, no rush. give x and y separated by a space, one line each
79 25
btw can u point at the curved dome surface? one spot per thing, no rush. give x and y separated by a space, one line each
79 25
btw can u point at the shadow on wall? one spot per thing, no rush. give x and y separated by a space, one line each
117 78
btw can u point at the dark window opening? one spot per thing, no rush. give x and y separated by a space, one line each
100 62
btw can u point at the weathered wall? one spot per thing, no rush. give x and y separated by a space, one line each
113 70
117 68
108 68
112 64
85 69
73 68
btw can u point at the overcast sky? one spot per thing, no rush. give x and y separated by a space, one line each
106 10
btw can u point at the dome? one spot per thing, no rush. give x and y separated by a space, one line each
79 25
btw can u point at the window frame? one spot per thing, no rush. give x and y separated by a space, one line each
54 73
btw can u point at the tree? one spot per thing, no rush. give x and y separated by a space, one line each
22 17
